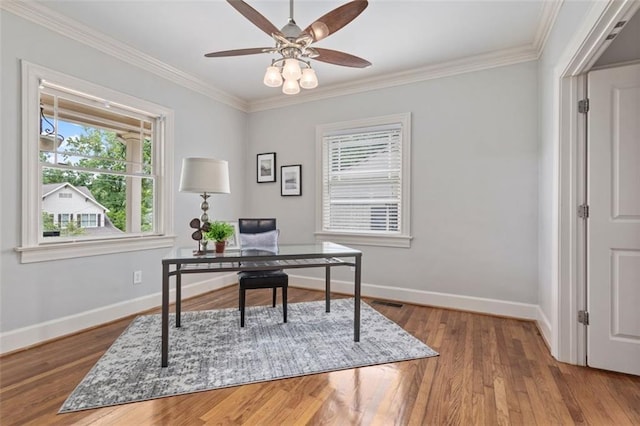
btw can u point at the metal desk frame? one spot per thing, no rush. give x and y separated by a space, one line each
325 255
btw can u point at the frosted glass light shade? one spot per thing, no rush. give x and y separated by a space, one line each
308 79
272 77
291 70
204 175
290 87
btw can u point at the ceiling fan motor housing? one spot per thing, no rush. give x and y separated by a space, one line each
291 31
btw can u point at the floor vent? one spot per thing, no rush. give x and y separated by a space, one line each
392 304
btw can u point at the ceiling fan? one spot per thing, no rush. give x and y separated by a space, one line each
294 45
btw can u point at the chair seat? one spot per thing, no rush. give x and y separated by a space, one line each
262 279
250 280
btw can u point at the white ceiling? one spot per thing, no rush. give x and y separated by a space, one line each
397 36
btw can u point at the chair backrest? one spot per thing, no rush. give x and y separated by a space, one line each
256 226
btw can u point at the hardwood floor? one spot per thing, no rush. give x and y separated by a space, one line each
490 371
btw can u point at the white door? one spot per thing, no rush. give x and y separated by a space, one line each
613 230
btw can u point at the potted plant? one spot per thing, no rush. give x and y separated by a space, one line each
219 232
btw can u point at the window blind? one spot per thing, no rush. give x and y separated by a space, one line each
362 180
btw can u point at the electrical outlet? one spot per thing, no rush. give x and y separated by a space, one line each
137 277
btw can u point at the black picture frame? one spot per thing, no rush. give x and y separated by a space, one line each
266 167
291 180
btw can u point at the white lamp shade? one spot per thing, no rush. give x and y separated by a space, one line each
308 79
272 77
291 70
204 175
290 87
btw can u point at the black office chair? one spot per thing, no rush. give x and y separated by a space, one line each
260 234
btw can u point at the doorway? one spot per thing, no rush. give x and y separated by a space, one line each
570 336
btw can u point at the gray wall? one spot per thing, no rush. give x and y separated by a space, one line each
474 181
39 292
482 173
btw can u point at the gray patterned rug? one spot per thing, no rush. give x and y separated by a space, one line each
211 351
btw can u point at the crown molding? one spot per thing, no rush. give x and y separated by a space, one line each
74 30
445 69
548 15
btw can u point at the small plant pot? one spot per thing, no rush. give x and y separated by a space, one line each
220 245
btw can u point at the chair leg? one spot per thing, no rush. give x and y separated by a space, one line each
284 303
242 302
273 303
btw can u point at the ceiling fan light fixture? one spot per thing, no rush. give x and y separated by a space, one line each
290 87
272 77
309 80
291 70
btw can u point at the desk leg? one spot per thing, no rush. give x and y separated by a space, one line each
356 315
178 295
165 314
327 289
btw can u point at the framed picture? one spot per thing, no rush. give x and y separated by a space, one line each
266 167
233 242
291 180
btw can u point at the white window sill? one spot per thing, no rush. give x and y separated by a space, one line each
70 250
403 241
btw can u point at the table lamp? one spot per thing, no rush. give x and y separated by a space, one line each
204 176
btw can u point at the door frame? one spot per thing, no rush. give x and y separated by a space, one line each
568 337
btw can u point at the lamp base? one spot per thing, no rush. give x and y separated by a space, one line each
198 235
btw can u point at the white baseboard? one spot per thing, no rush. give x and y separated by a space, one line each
430 298
38 333
544 325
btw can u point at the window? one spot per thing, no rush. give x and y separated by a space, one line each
89 220
363 182
64 219
96 169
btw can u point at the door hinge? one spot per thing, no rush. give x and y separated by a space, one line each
583 106
583 211
583 317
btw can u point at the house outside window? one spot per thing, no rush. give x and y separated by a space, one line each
97 162
58 201
363 183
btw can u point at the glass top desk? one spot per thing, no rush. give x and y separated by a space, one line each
289 256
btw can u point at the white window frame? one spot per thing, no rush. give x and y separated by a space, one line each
33 249
88 223
403 238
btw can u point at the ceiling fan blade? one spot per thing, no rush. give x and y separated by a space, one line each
239 52
340 58
254 16
336 19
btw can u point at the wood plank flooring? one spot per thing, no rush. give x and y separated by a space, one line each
491 371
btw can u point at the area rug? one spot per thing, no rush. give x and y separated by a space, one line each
211 351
